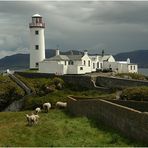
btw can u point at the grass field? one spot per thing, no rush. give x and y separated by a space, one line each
56 128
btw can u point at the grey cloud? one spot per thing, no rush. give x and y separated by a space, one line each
120 12
114 26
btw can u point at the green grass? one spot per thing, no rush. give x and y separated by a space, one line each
56 129
61 95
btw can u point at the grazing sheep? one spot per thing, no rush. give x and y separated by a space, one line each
32 119
61 104
46 106
37 110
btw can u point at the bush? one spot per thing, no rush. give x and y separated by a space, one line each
132 76
58 82
135 93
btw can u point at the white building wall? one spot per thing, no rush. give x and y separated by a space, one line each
36 55
86 64
121 67
82 69
53 67
73 69
93 66
111 59
107 65
133 68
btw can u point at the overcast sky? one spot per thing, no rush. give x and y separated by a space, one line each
113 26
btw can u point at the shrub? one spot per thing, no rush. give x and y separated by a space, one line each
135 93
59 83
132 76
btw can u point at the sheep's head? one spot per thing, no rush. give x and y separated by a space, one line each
37 116
27 115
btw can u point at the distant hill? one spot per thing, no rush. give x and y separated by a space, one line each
21 61
17 61
139 57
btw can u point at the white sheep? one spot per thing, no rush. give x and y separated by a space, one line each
46 106
61 104
37 110
32 119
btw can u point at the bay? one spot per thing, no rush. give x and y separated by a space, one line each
143 71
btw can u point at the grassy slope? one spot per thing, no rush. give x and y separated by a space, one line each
56 129
61 95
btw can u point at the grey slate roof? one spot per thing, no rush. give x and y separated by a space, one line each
106 57
58 58
93 57
75 57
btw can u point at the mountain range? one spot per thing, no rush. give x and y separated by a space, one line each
21 61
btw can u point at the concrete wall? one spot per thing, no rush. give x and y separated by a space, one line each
130 122
112 82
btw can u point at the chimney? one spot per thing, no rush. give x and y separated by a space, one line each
71 52
57 52
128 60
85 52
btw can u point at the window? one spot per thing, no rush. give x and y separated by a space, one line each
84 62
101 65
36 64
93 65
131 67
36 47
36 32
65 62
97 64
134 67
89 63
81 68
70 62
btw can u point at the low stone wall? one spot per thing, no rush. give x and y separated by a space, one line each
112 82
75 80
137 105
130 122
86 81
34 75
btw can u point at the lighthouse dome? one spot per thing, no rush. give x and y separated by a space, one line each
36 15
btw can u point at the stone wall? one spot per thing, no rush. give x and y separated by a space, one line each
132 123
137 105
112 82
86 81
74 80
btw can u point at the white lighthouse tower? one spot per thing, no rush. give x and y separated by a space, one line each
37 41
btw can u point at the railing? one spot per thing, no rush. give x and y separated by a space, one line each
42 25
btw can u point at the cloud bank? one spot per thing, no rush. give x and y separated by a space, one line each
92 25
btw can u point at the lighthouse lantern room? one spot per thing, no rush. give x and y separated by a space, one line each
37 41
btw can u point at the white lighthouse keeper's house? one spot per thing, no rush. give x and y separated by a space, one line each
37 41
